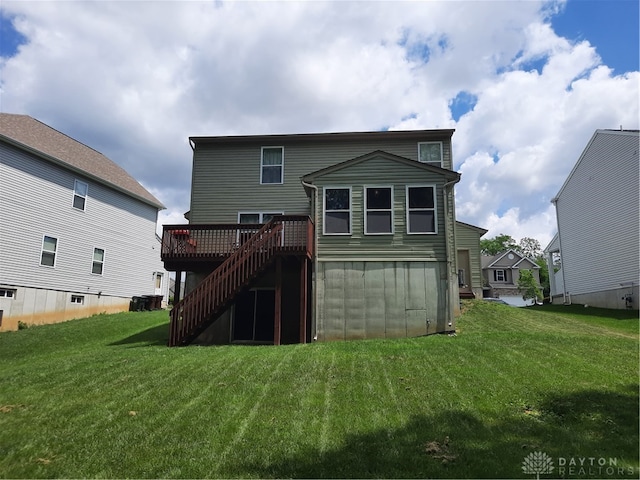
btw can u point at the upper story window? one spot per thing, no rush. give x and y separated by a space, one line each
421 209
337 211
378 210
431 153
500 275
80 190
49 248
98 261
272 165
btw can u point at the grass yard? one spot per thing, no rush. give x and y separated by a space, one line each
104 398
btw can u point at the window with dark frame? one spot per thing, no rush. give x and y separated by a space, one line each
80 190
500 275
421 211
272 165
378 210
337 211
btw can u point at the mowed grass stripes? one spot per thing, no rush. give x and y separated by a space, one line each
105 398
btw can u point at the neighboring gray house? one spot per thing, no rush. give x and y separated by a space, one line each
501 274
77 232
597 246
317 236
468 256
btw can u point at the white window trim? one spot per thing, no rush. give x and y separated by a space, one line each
366 210
77 297
435 208
104 257
75 194
262 149
504 275
11 291
55 252
260 214
441 153
324 210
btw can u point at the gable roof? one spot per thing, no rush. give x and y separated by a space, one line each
489 261
480 230
595 135
37 138
447 174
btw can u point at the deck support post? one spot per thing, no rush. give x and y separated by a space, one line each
303 299
176 289
278 302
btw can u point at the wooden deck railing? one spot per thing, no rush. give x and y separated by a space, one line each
195 242
208 300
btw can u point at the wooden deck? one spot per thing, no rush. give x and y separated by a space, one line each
184 247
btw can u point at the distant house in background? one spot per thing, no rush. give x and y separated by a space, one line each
77 232
501 273
597 244
468 256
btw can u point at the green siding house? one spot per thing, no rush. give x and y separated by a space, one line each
294 238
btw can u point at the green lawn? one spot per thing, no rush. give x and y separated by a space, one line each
104 398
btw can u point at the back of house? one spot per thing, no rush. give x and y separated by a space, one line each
377 257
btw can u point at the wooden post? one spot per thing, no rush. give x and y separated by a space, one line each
176 289
303 299
278 302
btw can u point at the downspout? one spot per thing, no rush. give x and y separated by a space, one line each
448 298
314 333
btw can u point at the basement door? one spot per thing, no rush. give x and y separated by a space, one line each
254 316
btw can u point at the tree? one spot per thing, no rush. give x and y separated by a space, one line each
527 286
499 244
544 276
530 247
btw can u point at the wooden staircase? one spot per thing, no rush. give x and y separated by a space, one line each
202 306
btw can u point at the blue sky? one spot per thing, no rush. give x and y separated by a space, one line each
524 83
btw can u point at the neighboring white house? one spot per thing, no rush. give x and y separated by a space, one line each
598 242
77 232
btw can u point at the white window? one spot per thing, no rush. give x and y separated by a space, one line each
378 210
78 299
80 190
337 211
421 209
97 265
431 153
7 293
272 165
500 275
48 254
252 218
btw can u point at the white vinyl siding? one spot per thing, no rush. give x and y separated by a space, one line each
421 209
431 153
121 225
598 216
337 210
272 165
378 210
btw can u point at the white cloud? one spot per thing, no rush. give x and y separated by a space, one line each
136 79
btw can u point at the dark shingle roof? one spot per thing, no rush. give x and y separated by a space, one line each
48 143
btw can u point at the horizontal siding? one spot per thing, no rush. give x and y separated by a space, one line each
37 200
598 216
469 239
226 179
383 172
